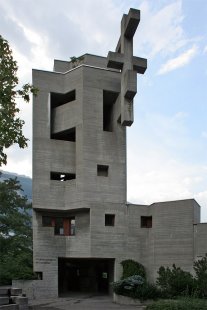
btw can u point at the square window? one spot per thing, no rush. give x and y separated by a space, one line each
102 170
109 219
146 221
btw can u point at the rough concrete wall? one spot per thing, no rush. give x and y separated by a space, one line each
200 237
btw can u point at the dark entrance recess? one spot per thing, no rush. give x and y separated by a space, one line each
85 275
109 98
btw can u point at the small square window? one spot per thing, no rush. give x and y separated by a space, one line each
146 221
109 219
102 170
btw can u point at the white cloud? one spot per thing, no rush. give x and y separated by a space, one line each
205 49
153 176
160 31
179 61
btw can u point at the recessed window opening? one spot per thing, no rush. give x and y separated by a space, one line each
62 226
109 219
62 176
102 170
146 221
58 99
109 98
39 275
66 135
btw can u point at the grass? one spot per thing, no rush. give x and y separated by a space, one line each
179 304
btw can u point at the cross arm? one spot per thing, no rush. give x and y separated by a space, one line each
139 64
132 22
115 60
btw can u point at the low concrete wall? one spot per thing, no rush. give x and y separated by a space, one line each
124 300
33 288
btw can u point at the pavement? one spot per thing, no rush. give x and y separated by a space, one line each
80 302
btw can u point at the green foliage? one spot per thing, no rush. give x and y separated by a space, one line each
10 124
175 282
179 304
76 60
136 287
200 268
131 267
15 233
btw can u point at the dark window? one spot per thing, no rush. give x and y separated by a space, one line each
102 170
59 229
109 98
62 226
146 221
39 275
109 219
62 176
47 221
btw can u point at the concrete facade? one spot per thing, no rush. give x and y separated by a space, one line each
81 220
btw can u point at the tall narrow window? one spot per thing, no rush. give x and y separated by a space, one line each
109 98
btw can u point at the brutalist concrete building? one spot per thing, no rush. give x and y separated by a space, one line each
83 227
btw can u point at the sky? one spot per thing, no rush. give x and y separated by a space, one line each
167 144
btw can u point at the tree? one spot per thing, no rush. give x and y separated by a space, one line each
10 124
15 233
200 267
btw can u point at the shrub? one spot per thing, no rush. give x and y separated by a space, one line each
131 268
136 287
175 282
180 304
200 268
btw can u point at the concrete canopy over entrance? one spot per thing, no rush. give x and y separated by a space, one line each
85 275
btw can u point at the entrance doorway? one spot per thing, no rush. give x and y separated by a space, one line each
85 275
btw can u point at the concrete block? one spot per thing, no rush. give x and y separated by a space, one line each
15 291
130 84
115 60
9 307
19 300
3 291
4 300
139 64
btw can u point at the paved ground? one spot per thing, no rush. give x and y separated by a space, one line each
86 302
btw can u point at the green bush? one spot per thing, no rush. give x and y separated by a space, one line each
136 287
131 268
179 304
200 268
175 282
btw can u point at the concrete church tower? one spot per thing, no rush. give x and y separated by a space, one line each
79 165
82 226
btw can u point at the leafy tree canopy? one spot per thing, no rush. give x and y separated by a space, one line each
15 233
10 124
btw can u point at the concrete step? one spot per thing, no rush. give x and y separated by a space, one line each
9 307
4 291
4 300
15 291
19 300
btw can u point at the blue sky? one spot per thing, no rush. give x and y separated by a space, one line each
167 144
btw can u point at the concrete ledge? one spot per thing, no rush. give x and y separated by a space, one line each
9 307
4 291
4 300
19 300
15 291
124 300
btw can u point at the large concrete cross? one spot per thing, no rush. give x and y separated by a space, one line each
130 65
